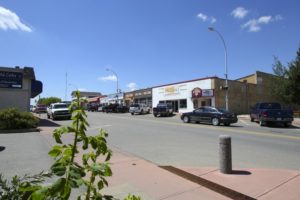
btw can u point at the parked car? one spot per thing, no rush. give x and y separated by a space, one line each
268 112
92 107
40 108
163 109
211 115
58 110
115 108
139 108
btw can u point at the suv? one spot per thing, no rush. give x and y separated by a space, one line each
163 109
58 110
139 108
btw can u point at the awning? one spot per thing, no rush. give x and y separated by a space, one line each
94 99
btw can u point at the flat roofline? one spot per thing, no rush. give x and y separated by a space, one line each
198 79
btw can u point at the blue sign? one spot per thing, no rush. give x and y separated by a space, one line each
11 79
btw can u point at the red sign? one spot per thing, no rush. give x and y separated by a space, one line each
196 93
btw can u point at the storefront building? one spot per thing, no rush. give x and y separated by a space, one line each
139 96
17 87
186 96
112 99
243 93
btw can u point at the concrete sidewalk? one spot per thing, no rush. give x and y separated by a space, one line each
137 176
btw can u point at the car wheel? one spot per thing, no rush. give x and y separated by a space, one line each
155 115
252 120
288 124
186 119
261 123
48 116
142 112
215 121
148 112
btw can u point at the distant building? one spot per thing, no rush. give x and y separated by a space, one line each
87 94
139 96
17 86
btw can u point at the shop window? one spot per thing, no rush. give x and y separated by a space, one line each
182 103
195 102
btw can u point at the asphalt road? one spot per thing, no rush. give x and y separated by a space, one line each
169 141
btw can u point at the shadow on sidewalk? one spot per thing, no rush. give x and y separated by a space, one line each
240 172
45 122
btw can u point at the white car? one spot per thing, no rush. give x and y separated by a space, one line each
58 110
139 108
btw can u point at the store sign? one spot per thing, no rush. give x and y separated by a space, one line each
171 90
11 79
207 93
197 93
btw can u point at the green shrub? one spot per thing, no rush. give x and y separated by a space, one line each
11 118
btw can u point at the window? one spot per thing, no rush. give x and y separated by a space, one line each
195 103
182 103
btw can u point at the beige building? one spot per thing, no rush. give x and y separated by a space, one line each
17 87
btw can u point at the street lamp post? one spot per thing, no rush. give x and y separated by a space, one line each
107 69
226 68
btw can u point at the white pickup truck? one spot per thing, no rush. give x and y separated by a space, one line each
139 108
58 110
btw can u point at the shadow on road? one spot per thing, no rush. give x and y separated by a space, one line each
2 148
45 122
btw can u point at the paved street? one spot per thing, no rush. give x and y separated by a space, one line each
168 141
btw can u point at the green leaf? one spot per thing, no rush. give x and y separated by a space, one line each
58 169
56 151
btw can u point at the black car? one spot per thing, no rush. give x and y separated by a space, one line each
212 115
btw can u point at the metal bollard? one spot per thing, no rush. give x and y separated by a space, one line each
225 154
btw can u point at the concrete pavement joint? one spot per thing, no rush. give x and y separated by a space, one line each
278 186
179 193
208 184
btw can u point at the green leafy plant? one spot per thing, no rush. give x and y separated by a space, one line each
69 174
21 187
12 118
91 173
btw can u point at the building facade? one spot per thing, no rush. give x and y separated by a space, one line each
139 96
17 87
243 93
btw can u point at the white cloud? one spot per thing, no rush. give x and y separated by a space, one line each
254 25
239 13
132 86
10 20
264 19
205 18
108 78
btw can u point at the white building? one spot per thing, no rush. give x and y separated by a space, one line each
185 96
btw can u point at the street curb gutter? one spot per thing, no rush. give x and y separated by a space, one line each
208 184
20 130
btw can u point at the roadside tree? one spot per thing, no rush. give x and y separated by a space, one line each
287 82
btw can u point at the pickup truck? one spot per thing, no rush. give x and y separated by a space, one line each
58 110
267 112
139 108
163 109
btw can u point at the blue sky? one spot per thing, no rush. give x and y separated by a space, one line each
146 42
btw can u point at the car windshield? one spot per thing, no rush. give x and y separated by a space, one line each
60 106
